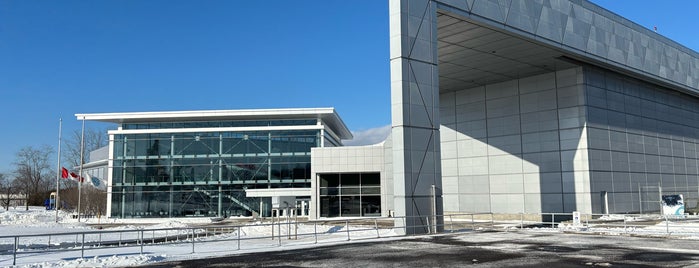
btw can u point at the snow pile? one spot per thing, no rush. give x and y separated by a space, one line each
113 261
35 216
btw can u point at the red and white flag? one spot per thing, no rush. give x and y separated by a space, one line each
64 173
75 177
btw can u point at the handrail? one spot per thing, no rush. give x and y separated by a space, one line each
462 222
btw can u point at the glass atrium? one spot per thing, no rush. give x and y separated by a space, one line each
200 163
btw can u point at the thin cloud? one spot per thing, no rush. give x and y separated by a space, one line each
369 136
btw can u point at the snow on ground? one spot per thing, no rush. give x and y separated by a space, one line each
251 237
255 237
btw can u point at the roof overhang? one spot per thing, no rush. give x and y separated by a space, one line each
485 42
276 192
328 116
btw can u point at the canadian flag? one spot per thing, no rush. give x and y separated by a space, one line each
70 175
64 173
75 177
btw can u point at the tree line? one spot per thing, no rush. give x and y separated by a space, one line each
34 175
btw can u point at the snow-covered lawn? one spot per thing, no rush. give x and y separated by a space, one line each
165 239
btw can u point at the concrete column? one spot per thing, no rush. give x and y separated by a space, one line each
415 112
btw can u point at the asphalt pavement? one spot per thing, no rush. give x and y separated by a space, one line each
477 249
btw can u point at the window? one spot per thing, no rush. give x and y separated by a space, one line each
350 194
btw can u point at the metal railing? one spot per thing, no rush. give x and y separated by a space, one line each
261 235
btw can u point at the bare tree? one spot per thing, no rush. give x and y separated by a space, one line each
96 201
33 173
94 139
5 191
93 201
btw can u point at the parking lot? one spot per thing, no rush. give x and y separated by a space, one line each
478 249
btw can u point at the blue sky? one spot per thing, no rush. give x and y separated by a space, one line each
59 58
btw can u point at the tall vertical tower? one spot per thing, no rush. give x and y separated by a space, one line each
415 114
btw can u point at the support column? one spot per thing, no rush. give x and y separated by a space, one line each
172 176
415 113
220 172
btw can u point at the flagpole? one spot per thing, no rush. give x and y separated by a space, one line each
58 167
80 174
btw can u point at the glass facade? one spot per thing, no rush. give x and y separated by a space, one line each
206 173
350 194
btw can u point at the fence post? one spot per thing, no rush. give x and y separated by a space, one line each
553 216
429 229
640 199
521 220
405 224
315 231
451 223
624 224
82 247
49 244
473 223
152 237
142 242
192 240
667 225
376 226
347 227
279 231
239 237
14 251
